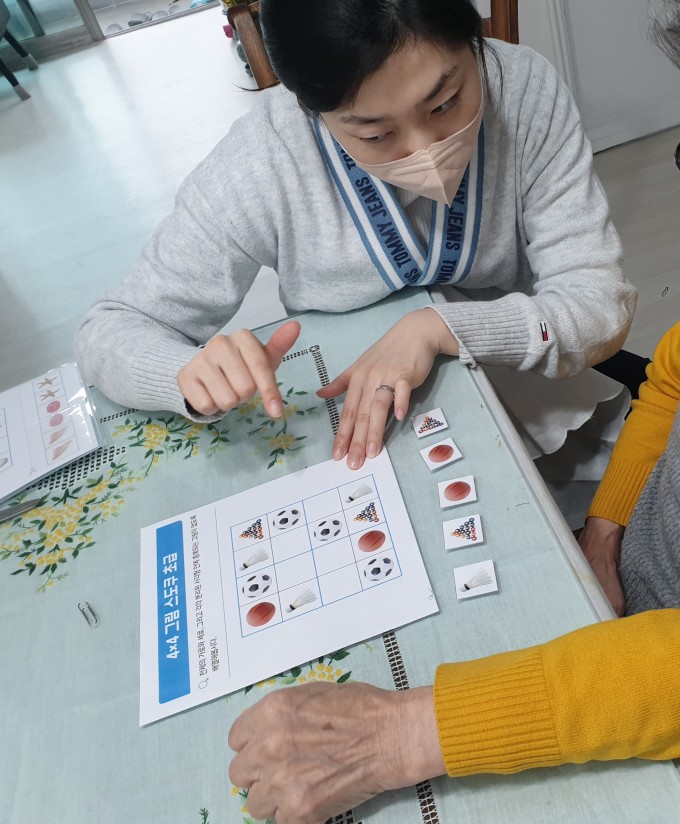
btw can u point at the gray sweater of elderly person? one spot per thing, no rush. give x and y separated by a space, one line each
650 554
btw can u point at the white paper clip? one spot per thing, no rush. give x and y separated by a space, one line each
89 614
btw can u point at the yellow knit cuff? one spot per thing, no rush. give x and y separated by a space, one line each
494 715
619 490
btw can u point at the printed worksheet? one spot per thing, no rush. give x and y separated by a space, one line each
44 424
253 585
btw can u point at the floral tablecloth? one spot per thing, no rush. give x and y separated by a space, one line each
70 747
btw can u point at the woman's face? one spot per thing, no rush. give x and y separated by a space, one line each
422 94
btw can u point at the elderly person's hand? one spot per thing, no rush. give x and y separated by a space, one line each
310 752
600 542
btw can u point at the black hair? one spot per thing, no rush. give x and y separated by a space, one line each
323 50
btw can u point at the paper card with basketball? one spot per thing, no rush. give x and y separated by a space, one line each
237 591
463 532
441 454
429 423
457 492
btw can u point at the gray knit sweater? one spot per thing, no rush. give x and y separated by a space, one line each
548 256
650 555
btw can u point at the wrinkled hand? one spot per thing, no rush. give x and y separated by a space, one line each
230 369
402 359
600 542
310 752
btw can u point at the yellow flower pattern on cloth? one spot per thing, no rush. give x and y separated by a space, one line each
44 540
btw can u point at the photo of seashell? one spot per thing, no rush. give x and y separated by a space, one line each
58 451
57 435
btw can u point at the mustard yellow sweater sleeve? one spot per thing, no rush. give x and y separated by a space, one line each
605 692
644 435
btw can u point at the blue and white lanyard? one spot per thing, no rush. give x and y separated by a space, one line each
386 231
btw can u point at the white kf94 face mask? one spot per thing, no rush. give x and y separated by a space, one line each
435 172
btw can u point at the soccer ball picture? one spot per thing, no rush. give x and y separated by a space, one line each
286 518
378 569
327 529
257 585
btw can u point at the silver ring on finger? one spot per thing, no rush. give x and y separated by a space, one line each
388 388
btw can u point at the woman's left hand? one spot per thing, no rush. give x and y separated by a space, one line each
307 753
400 360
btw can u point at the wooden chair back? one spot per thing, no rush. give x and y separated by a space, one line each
244 17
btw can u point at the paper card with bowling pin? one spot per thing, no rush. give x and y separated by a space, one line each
475 579
429 423
463 532
456 492
440 454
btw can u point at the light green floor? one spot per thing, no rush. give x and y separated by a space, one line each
90 165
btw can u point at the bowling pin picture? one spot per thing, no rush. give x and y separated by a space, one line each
463 532
456 492
440 454
474 580
429 423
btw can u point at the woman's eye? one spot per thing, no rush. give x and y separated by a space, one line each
376 139
449 104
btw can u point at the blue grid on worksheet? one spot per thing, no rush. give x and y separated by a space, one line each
241 575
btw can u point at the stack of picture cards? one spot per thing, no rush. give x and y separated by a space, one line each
45 423
459 533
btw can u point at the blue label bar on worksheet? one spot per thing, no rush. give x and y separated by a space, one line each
173 645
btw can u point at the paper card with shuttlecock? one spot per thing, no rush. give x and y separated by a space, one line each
429 423
362 489
440 454
253 557
463 532
475 579
300 599
457 491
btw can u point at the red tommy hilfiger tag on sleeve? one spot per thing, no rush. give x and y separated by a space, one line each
544 332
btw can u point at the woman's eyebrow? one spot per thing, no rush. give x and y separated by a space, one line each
358 120
443 80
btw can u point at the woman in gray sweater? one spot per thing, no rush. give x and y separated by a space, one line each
401 150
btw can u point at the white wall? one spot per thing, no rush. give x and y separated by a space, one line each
624 86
